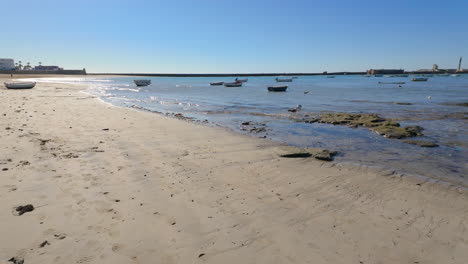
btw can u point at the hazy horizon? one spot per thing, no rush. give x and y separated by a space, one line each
241 37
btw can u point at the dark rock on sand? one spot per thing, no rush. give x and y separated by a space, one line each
16 260
24 209
43 244
297 155
422 143
325 154
201 255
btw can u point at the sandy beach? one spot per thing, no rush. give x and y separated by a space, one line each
116 185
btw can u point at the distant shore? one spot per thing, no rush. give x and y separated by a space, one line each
30 73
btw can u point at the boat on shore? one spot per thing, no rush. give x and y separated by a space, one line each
20 85
233 84
142 82
278 88
283 79
419 79
216 83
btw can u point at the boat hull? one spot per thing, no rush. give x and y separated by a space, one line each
277 88
142 82
419 79
284 80
24 85
216 83
235 84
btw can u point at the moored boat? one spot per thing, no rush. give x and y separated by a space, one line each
216 83
241 80
284 79
20 85
378 75
419 79
391 82
278 88
331 76
233 84
142 82
455 75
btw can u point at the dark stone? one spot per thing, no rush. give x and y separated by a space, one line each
105 129
325 154
246 123
24 209
201 255
16 260
297 155
43 244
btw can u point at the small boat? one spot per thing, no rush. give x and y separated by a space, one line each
402 75
391 82
233 84
20 85
390 76
216 83
428 75
241 80
294 77
455 75
142 82
284 79
278 88
378 75
419 79
331 76
443 74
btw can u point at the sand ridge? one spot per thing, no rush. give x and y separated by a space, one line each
114 185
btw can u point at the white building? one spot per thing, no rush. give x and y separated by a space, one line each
7 64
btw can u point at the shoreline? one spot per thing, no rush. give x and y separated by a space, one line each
448 182
161 189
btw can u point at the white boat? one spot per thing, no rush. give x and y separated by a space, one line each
142 82
455 75
241 80
20 85
284 79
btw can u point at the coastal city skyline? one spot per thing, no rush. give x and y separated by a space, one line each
244 37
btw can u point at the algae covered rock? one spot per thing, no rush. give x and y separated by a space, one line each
398 132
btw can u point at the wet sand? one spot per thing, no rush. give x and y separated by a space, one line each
115 185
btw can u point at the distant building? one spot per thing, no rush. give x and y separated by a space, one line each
435 67
47 68
385 71
7 64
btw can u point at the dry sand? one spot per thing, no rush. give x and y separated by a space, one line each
152 189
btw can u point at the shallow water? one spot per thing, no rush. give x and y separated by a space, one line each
428 104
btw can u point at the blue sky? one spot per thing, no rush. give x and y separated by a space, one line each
235 36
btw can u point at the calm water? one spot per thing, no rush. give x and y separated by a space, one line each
431 107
